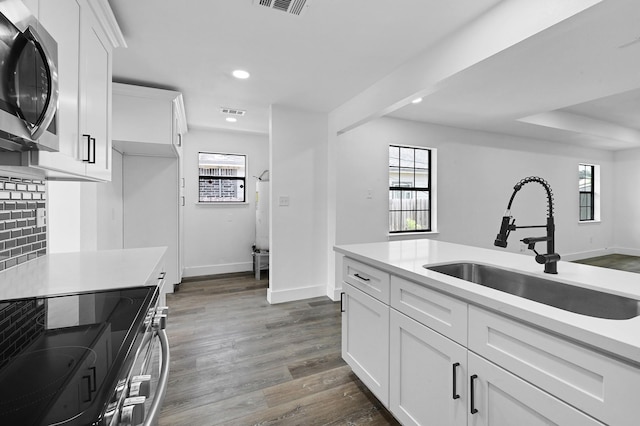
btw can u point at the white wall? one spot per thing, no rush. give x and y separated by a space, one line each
627 202
85 216
298 240
475 178
150 197
218 238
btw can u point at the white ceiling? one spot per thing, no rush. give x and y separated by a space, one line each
572 83
315 61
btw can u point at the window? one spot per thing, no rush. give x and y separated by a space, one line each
221 177
587 192
410 192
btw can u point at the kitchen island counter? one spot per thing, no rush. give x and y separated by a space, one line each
68 273
406 259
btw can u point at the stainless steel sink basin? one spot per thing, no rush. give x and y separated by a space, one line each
564 296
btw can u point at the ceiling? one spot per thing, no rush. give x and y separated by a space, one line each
577 82
315 61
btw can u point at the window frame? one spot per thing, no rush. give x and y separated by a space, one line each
243 179
403 188
593 193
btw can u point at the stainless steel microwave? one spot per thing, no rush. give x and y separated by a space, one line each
28 81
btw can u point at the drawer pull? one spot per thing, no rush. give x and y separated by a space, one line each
362 278
455 391
342 302
473 403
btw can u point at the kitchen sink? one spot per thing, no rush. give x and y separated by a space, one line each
564 296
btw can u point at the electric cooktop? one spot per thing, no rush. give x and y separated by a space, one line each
62 356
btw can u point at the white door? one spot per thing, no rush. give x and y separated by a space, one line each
365 340
427 375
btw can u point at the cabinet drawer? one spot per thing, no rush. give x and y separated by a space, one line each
372 281
444 314
590 381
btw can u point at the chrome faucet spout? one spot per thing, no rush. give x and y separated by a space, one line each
550 259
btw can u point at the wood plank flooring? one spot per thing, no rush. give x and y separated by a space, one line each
236 360
614 261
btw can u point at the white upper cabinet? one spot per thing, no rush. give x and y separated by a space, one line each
95 97
86 33
148 121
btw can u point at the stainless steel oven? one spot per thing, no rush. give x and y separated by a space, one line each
139 394
98 358
28 81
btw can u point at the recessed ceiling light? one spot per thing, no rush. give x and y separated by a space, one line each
241 74
416 101
231 119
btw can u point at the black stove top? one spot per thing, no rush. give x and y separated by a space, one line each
61 357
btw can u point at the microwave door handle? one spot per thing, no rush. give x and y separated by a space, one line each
52 97
154 411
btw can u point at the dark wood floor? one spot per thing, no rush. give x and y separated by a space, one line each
615 261
236 360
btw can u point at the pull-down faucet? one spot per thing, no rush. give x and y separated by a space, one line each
550 259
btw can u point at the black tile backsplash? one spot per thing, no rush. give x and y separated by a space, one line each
22 238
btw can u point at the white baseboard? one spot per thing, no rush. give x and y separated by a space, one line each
628 251
334 294
587 254
228 268
601 252
292 294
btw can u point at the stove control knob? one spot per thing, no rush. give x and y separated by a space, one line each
140 386
132 411
160 322
164 310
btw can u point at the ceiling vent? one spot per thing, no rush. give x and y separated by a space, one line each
294 7
233 111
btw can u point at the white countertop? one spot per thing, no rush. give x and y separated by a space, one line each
620 338
66 273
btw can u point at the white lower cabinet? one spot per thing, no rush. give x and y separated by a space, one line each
428 375
433 360
365 340
498 398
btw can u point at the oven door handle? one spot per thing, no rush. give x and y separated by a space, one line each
154 411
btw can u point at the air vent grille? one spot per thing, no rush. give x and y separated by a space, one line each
294 7
233 111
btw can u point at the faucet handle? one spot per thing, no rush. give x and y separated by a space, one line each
543 259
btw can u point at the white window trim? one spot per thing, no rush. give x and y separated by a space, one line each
433 193
226 203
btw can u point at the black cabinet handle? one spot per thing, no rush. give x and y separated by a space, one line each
92 151
454 393
342 302
88 152
362 278
473 402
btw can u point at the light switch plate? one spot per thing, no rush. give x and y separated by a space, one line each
283 200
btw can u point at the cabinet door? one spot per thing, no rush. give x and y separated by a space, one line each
95 97
427 375
502 399
365 340
62 19
588 380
